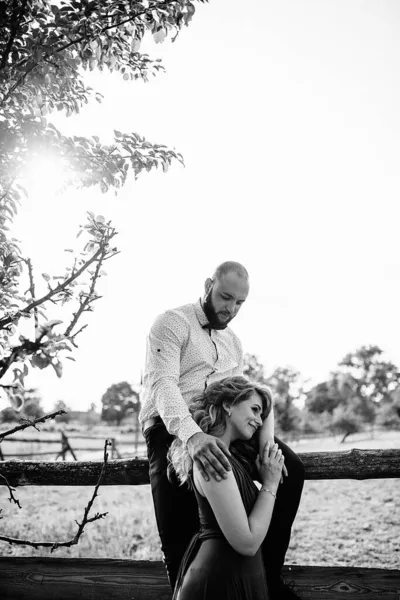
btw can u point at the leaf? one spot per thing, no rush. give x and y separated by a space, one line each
46 276
159 36
58 367
135 45
52 323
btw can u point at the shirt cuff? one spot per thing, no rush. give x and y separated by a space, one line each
187 429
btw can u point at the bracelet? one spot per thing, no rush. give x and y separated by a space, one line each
264 489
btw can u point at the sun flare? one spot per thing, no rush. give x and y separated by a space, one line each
44 178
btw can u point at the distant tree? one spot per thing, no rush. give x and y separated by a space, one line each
45 48
324 397
9 415
286 385
389 412
253 369
61 405
375 377
119 400
345 421
340 405
32 406
314 423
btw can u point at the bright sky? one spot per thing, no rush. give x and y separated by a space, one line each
287 114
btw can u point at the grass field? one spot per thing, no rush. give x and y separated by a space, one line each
342 522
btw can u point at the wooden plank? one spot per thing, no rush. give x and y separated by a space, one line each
32 454
24 578
351 464
339 583
31 440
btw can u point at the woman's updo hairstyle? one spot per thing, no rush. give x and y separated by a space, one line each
208 410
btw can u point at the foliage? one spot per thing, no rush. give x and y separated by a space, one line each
253 369
324 397
45 48
375 377
119 400
316 423
285 383
61 405
359 389
8 415
31 403
389 412
76 287
344 420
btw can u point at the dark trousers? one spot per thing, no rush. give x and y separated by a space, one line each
177 513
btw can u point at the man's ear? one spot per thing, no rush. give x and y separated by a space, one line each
207 285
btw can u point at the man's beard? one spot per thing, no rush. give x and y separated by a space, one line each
209 310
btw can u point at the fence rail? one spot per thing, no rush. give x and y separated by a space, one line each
350 464
106 579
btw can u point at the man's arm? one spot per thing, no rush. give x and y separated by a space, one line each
166 340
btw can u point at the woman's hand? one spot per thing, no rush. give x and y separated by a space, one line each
270 465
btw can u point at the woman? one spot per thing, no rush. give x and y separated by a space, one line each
224 559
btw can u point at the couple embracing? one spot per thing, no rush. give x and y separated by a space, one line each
225 489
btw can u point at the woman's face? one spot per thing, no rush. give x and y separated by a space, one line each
246 418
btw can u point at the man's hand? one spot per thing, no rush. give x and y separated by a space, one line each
210 455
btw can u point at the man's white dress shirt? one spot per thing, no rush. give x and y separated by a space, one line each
182 358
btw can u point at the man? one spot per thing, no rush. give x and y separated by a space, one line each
189 348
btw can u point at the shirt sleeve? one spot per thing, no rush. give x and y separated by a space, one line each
166 339
240 358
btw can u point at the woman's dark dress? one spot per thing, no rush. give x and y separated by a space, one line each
211 569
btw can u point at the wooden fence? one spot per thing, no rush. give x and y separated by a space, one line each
90 579
66 448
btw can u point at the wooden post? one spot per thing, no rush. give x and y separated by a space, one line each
1 454
68 445
63 447
114 449
116 453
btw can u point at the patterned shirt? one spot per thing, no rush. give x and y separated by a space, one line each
183 356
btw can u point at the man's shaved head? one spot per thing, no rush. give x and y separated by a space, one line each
230 266
225 293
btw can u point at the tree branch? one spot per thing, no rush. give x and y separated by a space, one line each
12 498
60 287
86 519
32 291
32 423
132 18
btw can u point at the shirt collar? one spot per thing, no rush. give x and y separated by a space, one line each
200 314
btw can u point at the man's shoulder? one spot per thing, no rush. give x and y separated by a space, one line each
180 315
